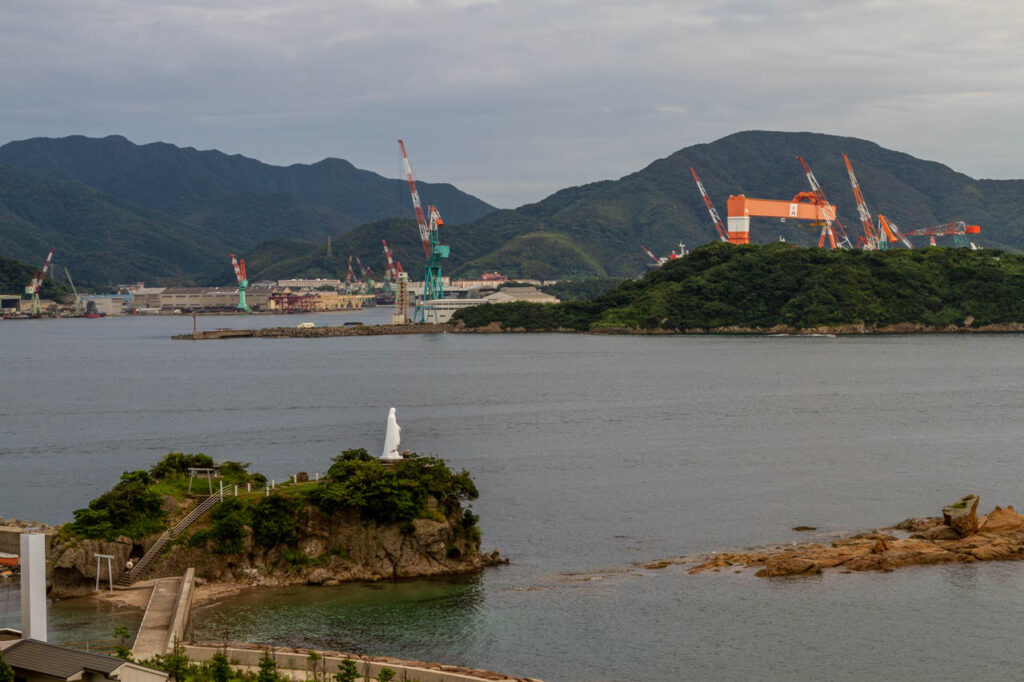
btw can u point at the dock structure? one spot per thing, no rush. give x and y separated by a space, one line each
167 615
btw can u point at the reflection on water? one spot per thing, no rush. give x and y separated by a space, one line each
409 619
69 620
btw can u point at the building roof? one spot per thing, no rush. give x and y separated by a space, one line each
56 661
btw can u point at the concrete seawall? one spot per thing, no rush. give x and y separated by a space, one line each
297 661
317 332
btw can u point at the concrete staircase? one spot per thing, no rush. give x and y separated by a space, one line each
131 576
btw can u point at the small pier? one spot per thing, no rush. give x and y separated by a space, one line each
166 616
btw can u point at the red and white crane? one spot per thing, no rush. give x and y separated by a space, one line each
243 282
37 283
959 230
421 219
871 241
390 273
657 261
350 277
832 228
723 234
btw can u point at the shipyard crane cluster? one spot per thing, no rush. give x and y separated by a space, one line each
813 206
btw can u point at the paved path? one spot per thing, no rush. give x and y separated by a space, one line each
156 622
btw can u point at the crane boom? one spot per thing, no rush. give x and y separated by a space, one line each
872 239
421 220
723 234
652 256
832 228
37 281
243 283
892 231
390 273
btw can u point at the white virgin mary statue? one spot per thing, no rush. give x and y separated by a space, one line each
392 438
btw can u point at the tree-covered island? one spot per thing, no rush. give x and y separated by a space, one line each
783 288
362 520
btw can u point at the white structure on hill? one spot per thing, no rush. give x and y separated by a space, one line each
392 438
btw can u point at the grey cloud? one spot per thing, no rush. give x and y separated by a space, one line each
515 99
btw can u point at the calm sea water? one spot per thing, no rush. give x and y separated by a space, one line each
591 454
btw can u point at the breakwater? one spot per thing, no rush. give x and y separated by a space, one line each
317 332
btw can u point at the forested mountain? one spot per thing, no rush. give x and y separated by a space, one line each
121 211
597 229
99 238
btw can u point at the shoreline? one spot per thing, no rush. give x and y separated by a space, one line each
906 328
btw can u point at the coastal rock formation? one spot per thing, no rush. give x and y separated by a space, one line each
962 515
338 548
330 549
72 565
959 536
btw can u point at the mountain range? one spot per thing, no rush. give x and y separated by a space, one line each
597 229
168 214
157 212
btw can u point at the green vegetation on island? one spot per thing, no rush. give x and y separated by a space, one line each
780 285
414 487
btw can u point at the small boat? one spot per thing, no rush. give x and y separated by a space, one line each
8 560
93 316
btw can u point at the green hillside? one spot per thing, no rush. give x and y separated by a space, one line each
605 223
762 286
100 238
243 200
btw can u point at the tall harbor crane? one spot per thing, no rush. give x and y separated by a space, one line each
350 276
872 240
723 234
243 283
832 228
78 300
37 283
389 273
433 289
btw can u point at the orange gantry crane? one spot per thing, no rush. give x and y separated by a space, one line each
811 206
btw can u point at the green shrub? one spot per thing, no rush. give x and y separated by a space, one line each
178 464
274 520
228 527
129 508
399 492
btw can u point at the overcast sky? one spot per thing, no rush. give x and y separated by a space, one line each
512 100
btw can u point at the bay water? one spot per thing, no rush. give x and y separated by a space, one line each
592 454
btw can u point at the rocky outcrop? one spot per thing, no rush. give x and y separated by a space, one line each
959 536
962 515
330 549
72 566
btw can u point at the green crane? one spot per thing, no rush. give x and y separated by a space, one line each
433 288
243 283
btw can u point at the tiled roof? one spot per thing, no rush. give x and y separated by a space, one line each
56 661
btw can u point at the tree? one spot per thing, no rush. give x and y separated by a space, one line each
6 671
220 668
123 633
385 675
347 671
267 668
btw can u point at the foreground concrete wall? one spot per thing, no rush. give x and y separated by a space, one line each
295 659
182 610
